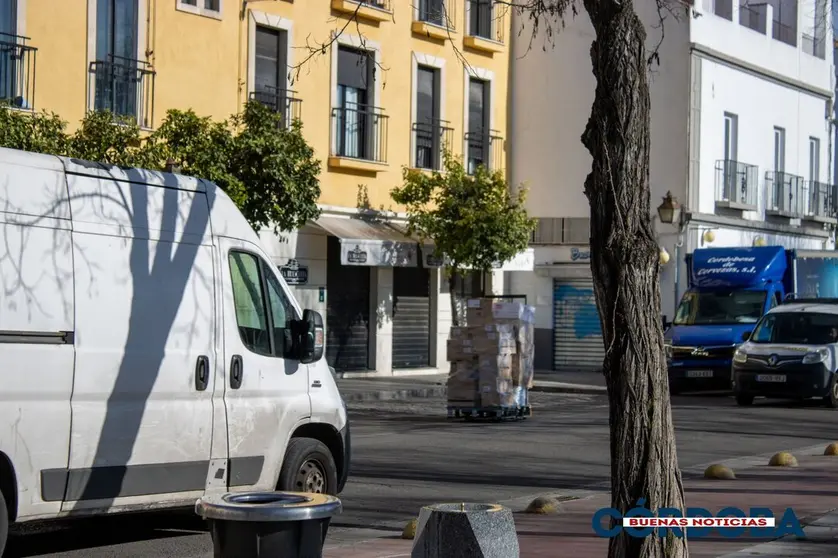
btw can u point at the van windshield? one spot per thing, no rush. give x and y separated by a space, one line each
795 328
720 307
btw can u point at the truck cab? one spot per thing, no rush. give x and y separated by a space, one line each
730 289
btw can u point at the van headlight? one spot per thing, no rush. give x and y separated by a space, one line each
740 356
816 356
667 350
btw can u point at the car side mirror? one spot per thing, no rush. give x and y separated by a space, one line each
746 335
312 340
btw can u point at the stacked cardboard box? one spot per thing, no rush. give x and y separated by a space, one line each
491 359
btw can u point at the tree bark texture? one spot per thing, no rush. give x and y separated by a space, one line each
625 267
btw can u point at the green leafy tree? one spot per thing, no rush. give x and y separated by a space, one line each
266 168
474 220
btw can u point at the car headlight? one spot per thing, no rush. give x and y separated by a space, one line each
740 356
816 356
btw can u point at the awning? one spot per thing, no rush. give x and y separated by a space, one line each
370 243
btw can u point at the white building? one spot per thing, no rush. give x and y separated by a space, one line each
741 135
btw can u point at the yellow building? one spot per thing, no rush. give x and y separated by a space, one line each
378 86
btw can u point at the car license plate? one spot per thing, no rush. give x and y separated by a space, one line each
771 378
699 373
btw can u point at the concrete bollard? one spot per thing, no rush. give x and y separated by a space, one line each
460 530
268 524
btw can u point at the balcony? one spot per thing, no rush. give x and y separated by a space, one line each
124 87
737 185
370 10
17 71
484 149
754 16
814 46
785 195
820 203
284 102
430 139
435 19
359 139
485 24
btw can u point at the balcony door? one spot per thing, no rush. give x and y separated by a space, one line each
478 124
116 56
271 69
354 111
8 48
428 126
731 147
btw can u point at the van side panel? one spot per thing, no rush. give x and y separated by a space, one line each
146 323
36 323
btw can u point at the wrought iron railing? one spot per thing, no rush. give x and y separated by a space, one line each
124 87
17 71
820 200
737 183
360 132
438 12
284 102
430 139
484 148
486 20
785 194
753 16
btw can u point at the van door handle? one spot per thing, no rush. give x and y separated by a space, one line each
202 373
236 372
316 383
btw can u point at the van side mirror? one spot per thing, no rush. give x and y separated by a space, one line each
746 335
312 340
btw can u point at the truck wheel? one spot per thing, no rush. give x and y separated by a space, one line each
744 399
4 523
831 400
308 467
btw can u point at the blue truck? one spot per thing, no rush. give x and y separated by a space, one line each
729 291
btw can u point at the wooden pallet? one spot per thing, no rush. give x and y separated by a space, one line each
489 413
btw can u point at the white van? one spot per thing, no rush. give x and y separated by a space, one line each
150 352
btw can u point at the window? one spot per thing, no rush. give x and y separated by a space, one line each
779 150
8 18
478 124
814 159
797 329
117 69
480 18
201 7
432 11
264 328
271 68
720 308
427 126
355 100
731 136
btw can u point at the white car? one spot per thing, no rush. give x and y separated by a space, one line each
150 351
791 354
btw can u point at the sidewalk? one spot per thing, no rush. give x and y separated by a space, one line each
433 385
810 489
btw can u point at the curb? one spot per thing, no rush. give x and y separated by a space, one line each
440 391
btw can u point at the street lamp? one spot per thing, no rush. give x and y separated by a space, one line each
669 211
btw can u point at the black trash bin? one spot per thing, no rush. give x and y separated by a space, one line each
268 524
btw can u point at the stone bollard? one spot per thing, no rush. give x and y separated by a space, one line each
465 530
268 524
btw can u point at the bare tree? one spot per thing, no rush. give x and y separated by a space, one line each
624 257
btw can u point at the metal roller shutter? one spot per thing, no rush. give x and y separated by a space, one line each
347 312
411 317
577 329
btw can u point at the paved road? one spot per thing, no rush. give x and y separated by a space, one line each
407 454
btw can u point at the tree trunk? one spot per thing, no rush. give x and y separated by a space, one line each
452 287
625 266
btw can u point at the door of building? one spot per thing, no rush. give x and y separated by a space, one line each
576 326
347 312
411 317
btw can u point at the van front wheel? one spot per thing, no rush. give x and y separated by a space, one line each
308 467
4 523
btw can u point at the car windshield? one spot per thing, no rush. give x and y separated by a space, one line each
795 328
720 307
